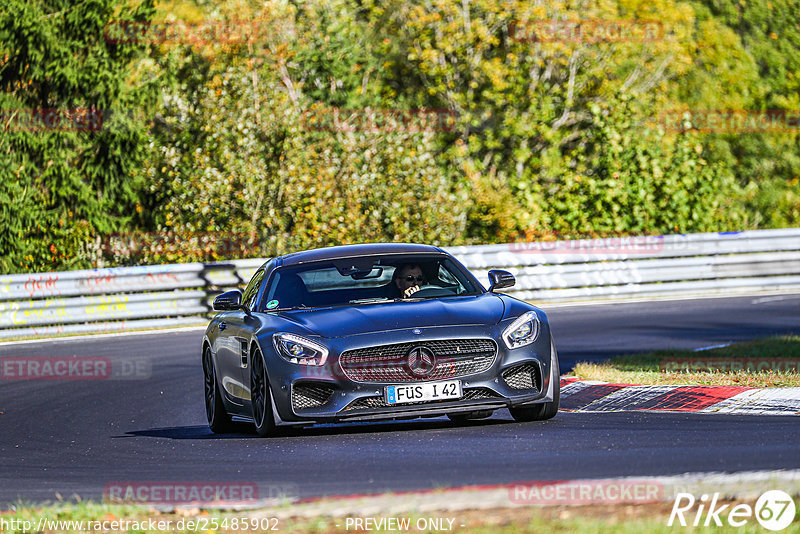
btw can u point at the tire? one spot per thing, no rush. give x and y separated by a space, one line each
260 396
545 410
218 419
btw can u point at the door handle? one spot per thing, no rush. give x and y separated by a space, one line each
222 325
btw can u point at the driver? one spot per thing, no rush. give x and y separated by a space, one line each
408 278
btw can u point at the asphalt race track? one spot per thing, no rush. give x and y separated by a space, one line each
598 332
75 437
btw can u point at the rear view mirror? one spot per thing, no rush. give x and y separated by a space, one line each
230 301
499 279
377 272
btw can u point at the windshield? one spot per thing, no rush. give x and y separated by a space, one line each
366 280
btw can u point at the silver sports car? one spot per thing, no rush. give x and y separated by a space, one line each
376 331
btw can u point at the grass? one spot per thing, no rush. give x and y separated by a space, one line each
600 519
778 358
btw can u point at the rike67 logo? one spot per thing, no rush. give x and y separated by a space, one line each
774 510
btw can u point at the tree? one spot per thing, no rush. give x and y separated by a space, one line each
68 151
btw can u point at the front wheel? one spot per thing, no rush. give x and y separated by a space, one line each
260 396
545 410
218 419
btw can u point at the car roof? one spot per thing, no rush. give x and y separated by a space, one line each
351 251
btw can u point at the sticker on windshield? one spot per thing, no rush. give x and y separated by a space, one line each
272 304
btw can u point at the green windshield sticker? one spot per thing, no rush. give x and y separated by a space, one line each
272 304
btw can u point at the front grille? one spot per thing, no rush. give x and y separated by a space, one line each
387 363
310 395
525 376
366 403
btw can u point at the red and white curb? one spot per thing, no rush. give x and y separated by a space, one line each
593 396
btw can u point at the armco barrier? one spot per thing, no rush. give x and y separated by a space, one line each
126 298
613 268
117 299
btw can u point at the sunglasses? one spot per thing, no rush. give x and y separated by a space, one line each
411 278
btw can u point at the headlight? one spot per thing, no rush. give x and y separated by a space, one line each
523 331
299 350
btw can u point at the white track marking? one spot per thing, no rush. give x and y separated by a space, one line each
109 335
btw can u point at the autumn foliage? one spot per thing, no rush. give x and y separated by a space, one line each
293 125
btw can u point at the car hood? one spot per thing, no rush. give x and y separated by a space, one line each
485 309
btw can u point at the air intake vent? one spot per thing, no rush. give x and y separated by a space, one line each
525 376
310 395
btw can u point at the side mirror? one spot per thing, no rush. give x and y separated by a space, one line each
230 301
499 279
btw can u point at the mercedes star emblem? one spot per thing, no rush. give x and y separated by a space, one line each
421 361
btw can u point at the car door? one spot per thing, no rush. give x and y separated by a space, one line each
233 356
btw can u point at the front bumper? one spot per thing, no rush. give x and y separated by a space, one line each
307 394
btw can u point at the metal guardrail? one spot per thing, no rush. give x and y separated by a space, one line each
116 299
126 298
613 268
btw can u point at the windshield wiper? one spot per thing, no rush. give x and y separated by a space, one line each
369 300
291 308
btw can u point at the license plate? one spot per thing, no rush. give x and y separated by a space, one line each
426 391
